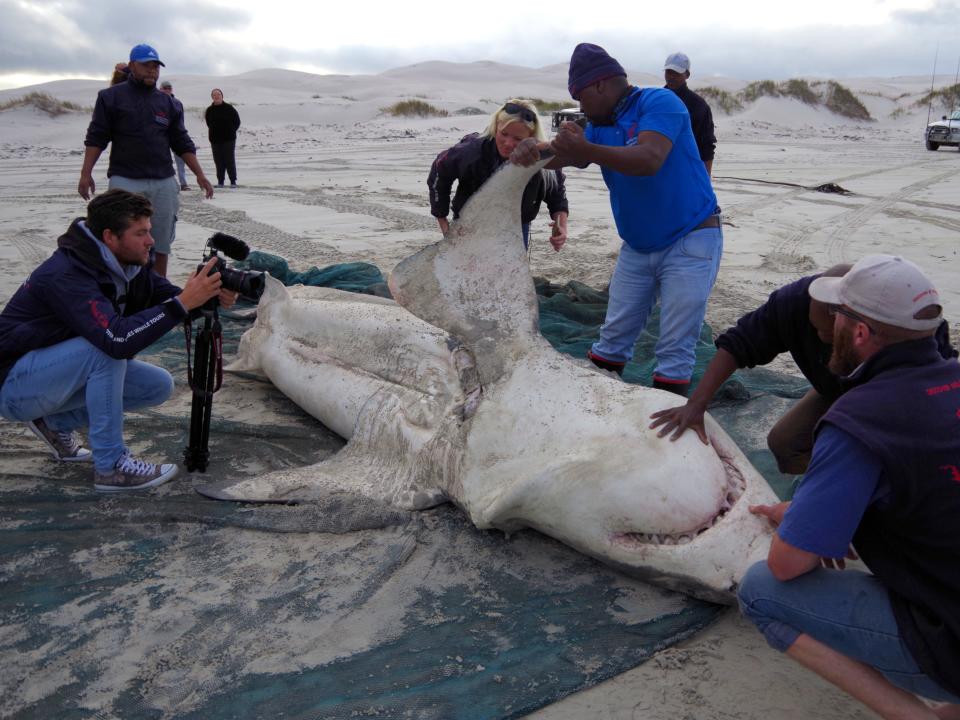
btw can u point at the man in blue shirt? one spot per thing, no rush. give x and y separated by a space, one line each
663 204
143 125
884 480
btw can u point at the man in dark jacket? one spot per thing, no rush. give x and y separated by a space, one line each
676 71
792 322
143 125
884 479
69 334
223 121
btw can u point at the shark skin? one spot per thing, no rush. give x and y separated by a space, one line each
450 394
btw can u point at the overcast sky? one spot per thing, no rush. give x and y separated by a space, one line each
51 39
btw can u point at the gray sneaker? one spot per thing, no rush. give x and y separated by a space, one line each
129 473
64 446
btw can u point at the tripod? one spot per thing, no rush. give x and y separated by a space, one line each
205 381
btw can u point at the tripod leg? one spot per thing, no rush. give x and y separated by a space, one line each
196 454
209 383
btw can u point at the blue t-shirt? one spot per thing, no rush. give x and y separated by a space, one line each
842 480
653 212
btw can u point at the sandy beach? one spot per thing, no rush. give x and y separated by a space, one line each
327 177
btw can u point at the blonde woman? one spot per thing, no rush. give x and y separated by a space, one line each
478 155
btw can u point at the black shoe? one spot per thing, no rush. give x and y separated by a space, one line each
605 364
676 387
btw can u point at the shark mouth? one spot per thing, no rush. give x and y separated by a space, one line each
735 486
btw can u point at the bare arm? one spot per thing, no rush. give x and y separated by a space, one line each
644 158
558 236
784 560
86 187
190 159
678 419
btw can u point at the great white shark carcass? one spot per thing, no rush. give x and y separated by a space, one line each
450 393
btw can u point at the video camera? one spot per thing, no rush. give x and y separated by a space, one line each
207 377
249 284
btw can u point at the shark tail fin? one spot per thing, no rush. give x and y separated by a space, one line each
475 283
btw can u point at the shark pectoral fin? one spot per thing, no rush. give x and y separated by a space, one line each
248 353
352 472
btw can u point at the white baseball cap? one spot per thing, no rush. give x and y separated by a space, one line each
678 62
887 288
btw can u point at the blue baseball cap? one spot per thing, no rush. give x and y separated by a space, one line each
144 53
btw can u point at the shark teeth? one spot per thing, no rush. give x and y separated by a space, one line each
735 488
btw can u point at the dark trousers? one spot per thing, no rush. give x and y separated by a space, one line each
224 160
791 439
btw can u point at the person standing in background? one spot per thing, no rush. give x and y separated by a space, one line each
223 121
167 87
676 71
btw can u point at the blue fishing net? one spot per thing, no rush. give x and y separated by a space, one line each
168 605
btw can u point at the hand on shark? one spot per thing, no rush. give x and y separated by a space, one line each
679 419
774 514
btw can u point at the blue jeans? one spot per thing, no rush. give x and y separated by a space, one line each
181 169
682 275
164 195
846 610
73 384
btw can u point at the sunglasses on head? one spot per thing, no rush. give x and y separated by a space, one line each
524 112
839 310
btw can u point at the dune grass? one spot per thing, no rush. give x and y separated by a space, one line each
414 108
44 103
832 95
947 98
840 100
727 102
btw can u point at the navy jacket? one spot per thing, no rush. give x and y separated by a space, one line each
73 294
701 119
471 162
902 405
782 325
142 125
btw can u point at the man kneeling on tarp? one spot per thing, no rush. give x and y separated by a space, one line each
69 335
884 478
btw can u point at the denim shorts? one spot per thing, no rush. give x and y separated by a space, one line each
164 195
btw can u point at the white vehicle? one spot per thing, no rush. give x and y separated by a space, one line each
944 132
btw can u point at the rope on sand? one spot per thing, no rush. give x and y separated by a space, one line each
824 188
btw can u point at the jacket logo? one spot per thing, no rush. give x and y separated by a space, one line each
98 317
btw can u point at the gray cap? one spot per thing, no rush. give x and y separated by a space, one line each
166 84
678 62
887 288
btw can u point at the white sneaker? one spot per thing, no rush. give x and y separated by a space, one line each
129 473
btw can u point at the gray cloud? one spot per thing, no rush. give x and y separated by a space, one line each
184 32
108 29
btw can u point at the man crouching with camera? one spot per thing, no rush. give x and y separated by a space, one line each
69 335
